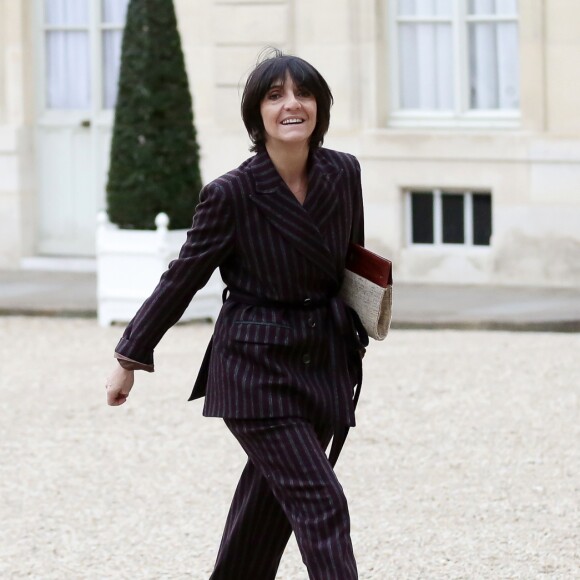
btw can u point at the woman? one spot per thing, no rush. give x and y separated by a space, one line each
285 356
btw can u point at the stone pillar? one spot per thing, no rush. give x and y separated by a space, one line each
240 31
331 35
17 221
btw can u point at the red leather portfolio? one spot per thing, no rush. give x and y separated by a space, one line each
369 265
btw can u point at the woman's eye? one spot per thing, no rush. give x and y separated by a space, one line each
273 96
304 93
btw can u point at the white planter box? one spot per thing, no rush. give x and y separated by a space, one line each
129 265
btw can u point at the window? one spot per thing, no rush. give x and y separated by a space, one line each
70 38
455 59
444 217
67 45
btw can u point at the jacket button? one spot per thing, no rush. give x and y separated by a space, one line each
306 359
307 301
312 322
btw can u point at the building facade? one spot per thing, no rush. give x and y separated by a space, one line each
463 114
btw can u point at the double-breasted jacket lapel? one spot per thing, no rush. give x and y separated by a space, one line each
322 199
300 225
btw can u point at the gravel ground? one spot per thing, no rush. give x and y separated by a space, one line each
465 463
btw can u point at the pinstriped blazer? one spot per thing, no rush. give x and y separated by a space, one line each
267 361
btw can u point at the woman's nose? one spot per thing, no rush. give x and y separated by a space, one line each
292 102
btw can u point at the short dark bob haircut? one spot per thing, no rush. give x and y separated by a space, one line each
272 69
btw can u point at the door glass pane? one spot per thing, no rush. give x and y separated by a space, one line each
114 11
426 66
453 226
494 65
112 40
481 219
66 12
490 7
481 7
506 6
422 218
113 15
68 84
406 7
425 7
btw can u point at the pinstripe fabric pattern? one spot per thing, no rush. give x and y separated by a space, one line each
256 531
287 479
266 362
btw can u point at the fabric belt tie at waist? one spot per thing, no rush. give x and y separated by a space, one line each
344 323
251 300
347 324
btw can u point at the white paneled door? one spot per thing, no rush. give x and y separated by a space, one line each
79 46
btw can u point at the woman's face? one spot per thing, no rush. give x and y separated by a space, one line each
288 113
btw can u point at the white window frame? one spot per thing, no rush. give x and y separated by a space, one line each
462 115
95 28
438 219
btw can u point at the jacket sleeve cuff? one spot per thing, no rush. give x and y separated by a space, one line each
133 365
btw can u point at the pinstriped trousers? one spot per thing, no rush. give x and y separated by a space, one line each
287 485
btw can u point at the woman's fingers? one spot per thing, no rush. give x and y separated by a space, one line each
118 386
115 402
116 395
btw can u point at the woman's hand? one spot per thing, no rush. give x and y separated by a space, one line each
119 383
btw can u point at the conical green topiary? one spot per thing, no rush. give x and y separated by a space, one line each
154 153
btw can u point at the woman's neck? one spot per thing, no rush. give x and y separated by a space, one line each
291 163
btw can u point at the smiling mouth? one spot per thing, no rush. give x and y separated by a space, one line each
294 121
